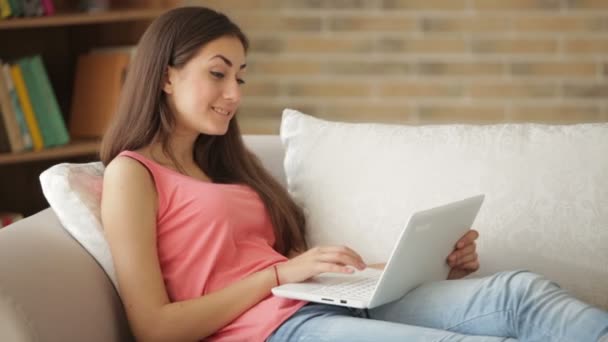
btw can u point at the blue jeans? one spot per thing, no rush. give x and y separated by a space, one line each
507 306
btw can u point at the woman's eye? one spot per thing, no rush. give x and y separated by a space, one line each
220 75
217 74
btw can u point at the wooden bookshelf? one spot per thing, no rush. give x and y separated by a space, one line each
59 39
80 18
73 149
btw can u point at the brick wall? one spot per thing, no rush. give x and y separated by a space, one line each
424 61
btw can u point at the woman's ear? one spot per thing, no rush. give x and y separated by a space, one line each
168 77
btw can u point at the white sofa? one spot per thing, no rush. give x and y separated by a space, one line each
51 289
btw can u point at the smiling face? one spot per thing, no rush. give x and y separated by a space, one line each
205 93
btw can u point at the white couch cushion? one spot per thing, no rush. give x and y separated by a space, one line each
546 189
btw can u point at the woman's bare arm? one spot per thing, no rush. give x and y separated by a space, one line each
129 219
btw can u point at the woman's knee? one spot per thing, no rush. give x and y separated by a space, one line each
523 283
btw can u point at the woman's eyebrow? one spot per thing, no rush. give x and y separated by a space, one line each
227 61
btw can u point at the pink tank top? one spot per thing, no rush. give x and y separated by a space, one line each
211 235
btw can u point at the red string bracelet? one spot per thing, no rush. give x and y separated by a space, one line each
276 275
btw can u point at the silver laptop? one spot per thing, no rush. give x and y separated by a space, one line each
419 256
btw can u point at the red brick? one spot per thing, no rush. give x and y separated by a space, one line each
515 46
329 89
421 89
426 4
561 23
503 5
586 46
364 22
422 45
558 114
469 23
551 69
512 89
461 69
461 114
324 45
587 4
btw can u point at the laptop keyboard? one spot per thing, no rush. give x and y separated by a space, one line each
356 288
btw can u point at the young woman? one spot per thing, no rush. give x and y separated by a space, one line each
200 232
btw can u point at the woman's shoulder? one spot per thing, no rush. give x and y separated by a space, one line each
125 163
126 171
124 166
126 178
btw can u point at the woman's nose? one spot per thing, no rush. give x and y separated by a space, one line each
232 91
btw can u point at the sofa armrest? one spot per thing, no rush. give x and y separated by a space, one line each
51 289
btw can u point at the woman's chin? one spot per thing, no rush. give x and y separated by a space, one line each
216 131
215 127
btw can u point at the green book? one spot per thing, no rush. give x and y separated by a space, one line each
44 102
16 8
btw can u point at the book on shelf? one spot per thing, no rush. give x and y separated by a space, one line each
10 132
5 9
32 8
5 145
33 118
97 86
5 75
44 102
16 8
7 218
26 105
48 7
26 8
36 8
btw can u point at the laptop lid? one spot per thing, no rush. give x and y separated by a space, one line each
419 256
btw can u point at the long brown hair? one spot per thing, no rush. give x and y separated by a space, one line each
143 116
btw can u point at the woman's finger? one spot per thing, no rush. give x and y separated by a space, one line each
470 266
343 250
459 253
466 259
323 267
467 238
340 258
340 249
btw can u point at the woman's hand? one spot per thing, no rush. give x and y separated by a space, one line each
318 260
463 260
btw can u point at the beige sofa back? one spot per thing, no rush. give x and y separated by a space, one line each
53 290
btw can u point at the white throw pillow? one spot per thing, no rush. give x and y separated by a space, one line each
546 190
74 193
